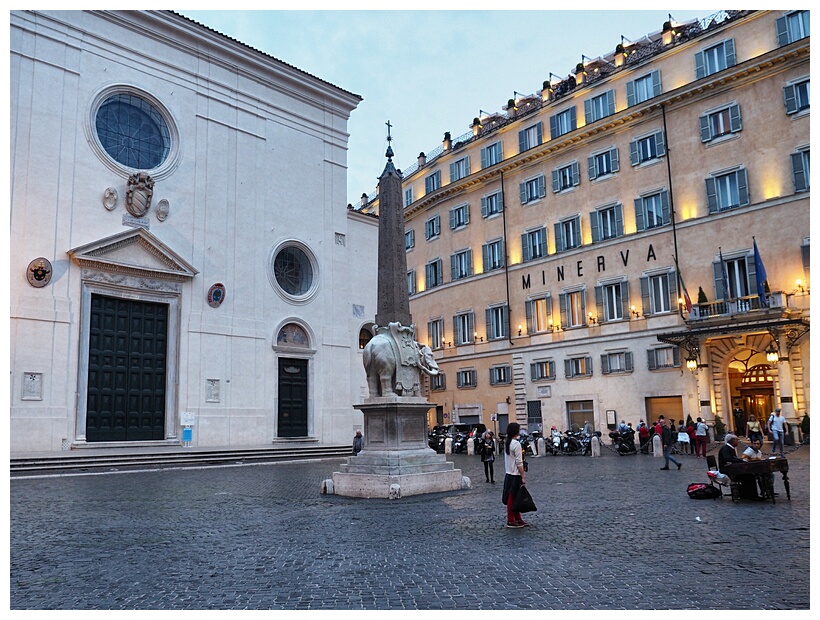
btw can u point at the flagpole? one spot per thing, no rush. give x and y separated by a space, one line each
672 205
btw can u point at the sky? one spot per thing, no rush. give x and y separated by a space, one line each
430 71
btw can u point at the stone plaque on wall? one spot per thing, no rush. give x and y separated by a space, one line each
32 386
212 394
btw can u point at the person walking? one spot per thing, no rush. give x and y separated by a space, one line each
513 474
701 438
753 430
668 438
488 455
357 442
778 428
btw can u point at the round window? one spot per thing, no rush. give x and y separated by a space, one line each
133 132
293 271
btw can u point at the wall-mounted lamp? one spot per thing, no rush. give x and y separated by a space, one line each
800 287
772 356
691 364
519 330
478 338
592 319
635 313
508 400
554 328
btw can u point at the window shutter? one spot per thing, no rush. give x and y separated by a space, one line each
542 243
630 94
568 369
676 357
742 187
700 66
505 321
647 308
554 126
562 300
469 262
453 174
576 227
634 158
467 214
522 190
484 157
526 252
452 219
729 50
599 303
799 173
583 297
559 237
751 276
467 166
576 173
591 168
711 195
522 141
588 111
628 361
673 290
613 159
718 278
639 219
610 102
556 181
605 364
651 359
705 128
528 307
656 82
665 207
456 332
484 207
551 369
790 96
573 121
625 310
454 267
533 372
542 191
428 276
782 32
471 322
588 366
436 226
619 220
734 118
485 257
411 282
593 224
500 201
539 135
660 144
488 322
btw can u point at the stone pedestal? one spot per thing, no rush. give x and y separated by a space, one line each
395 460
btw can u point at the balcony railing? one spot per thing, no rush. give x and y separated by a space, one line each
732 307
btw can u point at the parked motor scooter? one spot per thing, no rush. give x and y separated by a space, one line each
624 441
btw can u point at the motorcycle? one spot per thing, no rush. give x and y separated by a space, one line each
459 442
624 441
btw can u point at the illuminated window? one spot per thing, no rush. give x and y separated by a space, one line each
539 314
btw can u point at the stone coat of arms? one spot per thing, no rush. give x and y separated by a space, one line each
139 194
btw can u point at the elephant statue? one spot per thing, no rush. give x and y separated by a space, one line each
393 361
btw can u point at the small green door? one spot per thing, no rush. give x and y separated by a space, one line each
293 397
126 370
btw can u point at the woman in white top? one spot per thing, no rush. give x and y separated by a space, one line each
514 474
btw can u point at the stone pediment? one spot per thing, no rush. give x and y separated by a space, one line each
133 252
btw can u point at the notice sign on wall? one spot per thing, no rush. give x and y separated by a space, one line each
187 418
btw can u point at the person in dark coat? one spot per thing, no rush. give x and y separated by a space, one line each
357 442
668 439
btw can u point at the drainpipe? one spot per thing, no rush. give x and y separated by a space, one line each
506 258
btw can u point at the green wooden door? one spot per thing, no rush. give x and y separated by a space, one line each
126 370
293 397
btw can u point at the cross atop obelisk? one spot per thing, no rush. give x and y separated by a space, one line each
394 301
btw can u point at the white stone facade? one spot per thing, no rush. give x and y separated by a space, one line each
253 168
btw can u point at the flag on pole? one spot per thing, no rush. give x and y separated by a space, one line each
687 301
723 277
763 290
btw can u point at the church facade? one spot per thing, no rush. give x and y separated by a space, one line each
180 269
627 242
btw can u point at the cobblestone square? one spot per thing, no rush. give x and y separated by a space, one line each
610 533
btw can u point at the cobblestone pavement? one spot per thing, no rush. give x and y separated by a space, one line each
610 533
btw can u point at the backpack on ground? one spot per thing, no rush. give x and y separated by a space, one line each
701 490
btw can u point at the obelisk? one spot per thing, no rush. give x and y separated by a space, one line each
395 459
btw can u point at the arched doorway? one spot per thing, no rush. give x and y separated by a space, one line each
757 391
293 403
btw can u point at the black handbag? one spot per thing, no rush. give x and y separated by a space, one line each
523 501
